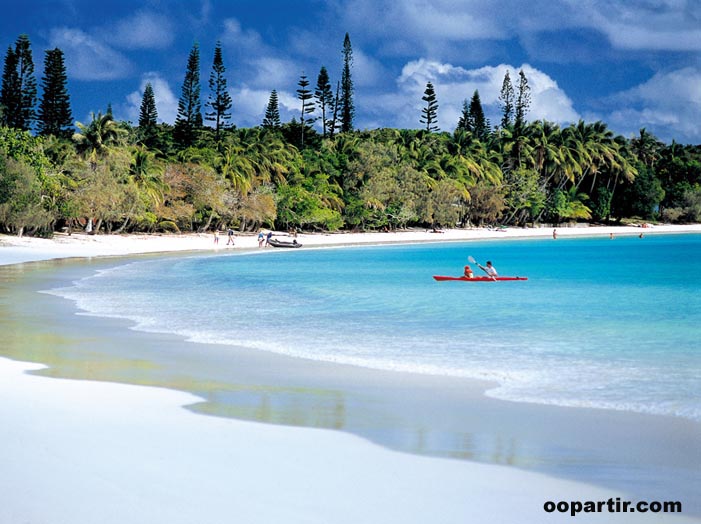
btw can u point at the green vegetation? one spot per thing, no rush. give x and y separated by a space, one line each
115 177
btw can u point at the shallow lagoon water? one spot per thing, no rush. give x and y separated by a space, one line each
600 323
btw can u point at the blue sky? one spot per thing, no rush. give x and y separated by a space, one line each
630 63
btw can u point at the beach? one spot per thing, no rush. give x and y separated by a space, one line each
112 444
25 249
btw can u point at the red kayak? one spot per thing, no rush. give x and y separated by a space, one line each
478 279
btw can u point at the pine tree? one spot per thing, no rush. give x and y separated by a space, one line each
27 83
189 119
465 122
9 95
333 125
472 118
429 114
347 107
523 102
19 87
272 112
305 96
479 123
324 99
219 98
148 114
507 102
54 114
148 117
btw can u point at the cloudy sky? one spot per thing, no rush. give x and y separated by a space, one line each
630 63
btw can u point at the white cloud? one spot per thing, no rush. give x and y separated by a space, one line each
142 30
671 25
434 28
454 20
668 105
166 101
548 100
88 58
367 71
473 31
274 73
290 106
454 84
246 41
442 19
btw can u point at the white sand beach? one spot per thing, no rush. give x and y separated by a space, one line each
15 250
82 451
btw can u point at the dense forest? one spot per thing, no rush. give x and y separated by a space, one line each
316 172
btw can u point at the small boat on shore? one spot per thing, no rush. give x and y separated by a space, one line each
477 279
283 243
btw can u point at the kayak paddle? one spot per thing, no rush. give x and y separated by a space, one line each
471 259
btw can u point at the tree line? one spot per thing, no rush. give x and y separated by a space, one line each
317 172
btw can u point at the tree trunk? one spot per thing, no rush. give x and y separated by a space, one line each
209 221
124 225
126 221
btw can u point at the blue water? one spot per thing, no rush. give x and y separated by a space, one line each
600 323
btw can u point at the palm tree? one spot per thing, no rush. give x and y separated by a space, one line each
473 159
236 167
147 173
273 158
95 140
547 156
144 182
646 148
576 153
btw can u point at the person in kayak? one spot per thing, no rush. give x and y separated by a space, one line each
490 269
468 272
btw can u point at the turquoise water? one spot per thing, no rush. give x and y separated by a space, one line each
600 323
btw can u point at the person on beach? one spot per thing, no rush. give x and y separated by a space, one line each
261 239
230 233
554 234
468 272
490 269
216 236
268 237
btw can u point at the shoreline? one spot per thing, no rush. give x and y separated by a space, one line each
271 380
15 250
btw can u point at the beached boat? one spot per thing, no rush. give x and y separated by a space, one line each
282 243
478 279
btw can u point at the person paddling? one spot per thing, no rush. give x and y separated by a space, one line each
490 269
